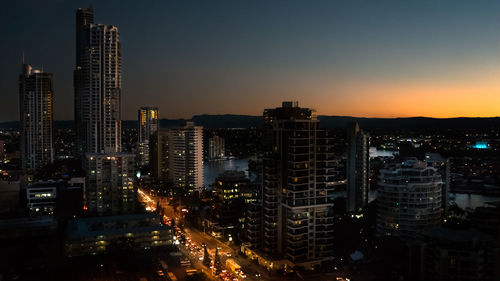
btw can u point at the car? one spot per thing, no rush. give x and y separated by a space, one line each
185 262
160 273
191 271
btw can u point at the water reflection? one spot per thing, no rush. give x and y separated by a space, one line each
374 152
465 201
212 169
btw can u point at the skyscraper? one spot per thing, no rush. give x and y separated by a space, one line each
216 147
97 82
443 166
159 155
109 186
36 118
148 125
186 156
358 168
409 198
177 156
297 213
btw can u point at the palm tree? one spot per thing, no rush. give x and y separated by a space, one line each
206 257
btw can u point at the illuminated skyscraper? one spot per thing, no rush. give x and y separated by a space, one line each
358 168
97 82
186 156
297 222
36 118
148 124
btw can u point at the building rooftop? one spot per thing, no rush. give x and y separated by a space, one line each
114 225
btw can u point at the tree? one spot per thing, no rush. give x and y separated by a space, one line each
206 257
217 262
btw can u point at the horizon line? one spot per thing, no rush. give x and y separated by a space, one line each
319 115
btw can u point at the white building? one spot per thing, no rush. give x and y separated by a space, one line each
186 156
36 118
97 86
216 148
41 198
409 198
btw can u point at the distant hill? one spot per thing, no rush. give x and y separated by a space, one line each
331 122
411 122
228 121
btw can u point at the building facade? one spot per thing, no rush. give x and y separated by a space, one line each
297 218
409 199
99 235
358 168
97 83
444 254
186 156
41 198
148 118
177 156
216 148
61 198
109 186
232 195
159 155
36 118
443 166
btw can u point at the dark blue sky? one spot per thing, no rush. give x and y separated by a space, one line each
362 58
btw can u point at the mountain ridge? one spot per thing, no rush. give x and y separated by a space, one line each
327 121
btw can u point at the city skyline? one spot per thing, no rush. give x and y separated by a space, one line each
385 59
94 185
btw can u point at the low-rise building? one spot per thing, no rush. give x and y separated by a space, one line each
445 254
98 235
232 194
64 197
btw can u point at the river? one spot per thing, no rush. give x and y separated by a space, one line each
212 169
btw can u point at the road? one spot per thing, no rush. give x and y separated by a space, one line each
225 251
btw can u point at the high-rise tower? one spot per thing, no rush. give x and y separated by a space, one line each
186 156
216 147
109 183
97 83
148 125
297 166
36 118
409 198
358 167
176 155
